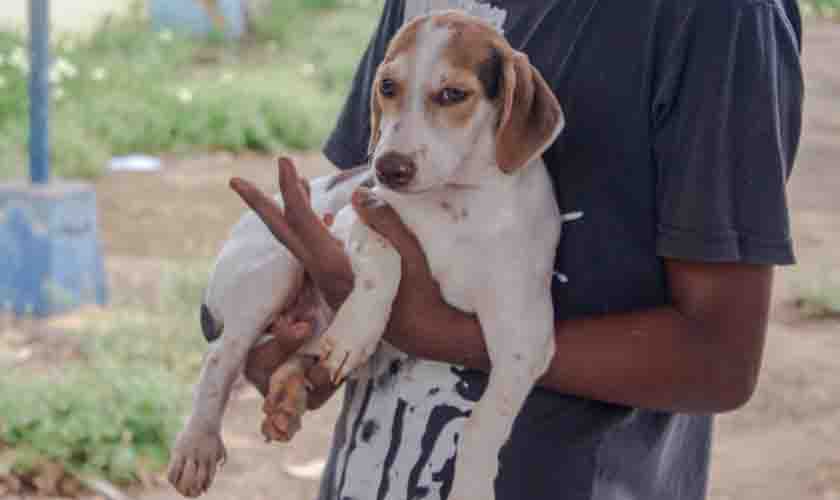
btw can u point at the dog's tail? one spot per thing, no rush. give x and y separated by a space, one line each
210 327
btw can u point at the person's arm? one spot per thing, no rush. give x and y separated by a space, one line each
701 353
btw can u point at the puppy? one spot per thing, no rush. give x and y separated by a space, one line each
459 123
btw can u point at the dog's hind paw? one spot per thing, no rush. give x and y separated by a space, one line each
286 401
195 457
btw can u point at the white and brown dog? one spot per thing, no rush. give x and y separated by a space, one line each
460 120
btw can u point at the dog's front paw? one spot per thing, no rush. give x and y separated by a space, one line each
286 401
341 353
195 457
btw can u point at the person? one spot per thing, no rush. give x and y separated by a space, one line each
683 121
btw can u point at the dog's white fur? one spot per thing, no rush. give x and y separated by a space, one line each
490 239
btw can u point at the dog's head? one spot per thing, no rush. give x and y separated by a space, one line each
452 91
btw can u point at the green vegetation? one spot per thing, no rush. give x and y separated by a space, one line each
113 410
829 9
129 90
819 299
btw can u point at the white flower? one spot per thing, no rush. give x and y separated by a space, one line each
307 69
58 93
66 68
61 69
55 76
166 36
184 95
227 77
19 60
98 74
68 45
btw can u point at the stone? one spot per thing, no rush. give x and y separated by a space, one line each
50 257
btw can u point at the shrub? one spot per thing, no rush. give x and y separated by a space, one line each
128 90
114 411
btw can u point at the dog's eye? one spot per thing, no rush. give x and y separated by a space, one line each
388 88
451 95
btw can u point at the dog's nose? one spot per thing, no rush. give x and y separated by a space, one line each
395 170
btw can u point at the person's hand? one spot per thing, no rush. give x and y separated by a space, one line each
303 384
302 232
419 306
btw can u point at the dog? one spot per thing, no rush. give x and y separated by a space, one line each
459 123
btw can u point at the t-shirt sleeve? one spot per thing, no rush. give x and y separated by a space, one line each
346 146
727 126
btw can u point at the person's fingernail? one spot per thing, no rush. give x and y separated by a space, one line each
237 184
287 167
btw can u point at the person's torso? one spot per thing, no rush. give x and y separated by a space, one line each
398 433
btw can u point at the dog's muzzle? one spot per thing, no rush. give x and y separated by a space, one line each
395 170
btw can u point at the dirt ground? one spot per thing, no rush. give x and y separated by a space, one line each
785 444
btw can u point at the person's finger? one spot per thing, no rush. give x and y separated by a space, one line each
288 339
263 359
307 189
295 196
383 219
307 225
271 214
321 386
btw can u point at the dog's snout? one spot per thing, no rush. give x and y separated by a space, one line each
395 170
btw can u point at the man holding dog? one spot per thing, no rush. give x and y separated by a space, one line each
683 121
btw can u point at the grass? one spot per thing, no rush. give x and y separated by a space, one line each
114 411
127 90
819 299
829 9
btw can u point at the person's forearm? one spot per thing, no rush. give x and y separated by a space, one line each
653 359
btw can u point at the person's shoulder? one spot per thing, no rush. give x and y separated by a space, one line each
714 16
725 7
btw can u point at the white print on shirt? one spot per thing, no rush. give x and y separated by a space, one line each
402 428
493 15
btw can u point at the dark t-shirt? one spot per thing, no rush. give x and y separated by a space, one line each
683 119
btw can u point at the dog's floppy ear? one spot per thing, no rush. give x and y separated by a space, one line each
531 117
375 119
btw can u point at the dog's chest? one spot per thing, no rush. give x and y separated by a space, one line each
450 235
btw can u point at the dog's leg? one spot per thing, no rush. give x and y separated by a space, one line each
519 333
198 448
360 322
245 290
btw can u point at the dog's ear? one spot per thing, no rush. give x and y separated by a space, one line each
531 118
375 119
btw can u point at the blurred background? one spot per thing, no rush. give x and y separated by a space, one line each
157 104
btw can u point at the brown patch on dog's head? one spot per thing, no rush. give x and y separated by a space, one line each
479 64
404 44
